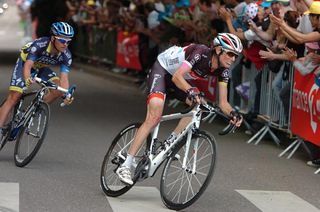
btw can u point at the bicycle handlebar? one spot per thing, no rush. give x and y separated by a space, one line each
68 92
217 110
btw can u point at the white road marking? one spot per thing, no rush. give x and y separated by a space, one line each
138 199
9 197
277 201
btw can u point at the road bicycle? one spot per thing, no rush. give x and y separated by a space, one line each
190 159
29 122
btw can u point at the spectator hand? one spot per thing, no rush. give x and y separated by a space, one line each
315 59
276 21
290 53
252 25
266 54
225 14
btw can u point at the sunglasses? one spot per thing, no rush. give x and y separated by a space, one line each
231 54
63 40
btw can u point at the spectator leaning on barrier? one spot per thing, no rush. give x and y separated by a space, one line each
298 37
254 14
277 61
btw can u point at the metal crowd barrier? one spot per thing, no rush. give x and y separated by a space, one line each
96 44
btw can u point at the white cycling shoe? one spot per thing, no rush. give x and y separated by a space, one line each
124 174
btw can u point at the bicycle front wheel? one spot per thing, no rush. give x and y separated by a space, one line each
31 135
181 186
115 156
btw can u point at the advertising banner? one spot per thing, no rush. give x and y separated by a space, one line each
128 50
305 121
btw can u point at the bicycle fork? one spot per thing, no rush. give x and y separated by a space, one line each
193 157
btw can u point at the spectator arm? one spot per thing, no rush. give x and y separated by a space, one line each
266 36
298 36
232 30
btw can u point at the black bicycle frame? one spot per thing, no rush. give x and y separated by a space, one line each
18 121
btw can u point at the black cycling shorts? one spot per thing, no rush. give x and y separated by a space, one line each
159 82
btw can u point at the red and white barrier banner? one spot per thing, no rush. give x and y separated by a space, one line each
208 86
305 116
128 50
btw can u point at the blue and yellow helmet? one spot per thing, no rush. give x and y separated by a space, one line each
62 29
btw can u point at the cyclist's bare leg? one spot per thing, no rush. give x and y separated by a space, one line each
182 124
53 94
154 113
8 105
184 121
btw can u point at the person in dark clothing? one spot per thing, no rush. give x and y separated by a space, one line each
47 12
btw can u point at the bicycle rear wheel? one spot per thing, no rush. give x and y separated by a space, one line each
115 156
182 186
31 135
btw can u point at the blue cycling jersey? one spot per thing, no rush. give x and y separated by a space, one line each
39 51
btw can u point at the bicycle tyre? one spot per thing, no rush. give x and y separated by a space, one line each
174 191
109 181
21 159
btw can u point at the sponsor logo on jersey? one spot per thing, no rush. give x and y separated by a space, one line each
42 44
154 82
47 60
173 61
33 49
197 57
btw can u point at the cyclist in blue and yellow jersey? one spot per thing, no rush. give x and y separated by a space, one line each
175 69
37 56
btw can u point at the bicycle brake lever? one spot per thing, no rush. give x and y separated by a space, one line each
228 129
70 93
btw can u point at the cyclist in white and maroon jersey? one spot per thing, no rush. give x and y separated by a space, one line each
175 68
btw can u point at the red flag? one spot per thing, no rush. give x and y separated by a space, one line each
128 50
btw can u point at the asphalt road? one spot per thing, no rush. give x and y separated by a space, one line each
64 176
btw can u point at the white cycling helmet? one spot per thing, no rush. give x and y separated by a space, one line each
229 42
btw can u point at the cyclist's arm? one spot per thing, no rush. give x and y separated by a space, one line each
65 69
64 80
27 69
223 98
178 77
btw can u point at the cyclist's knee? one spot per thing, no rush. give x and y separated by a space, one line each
152 120
55 94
